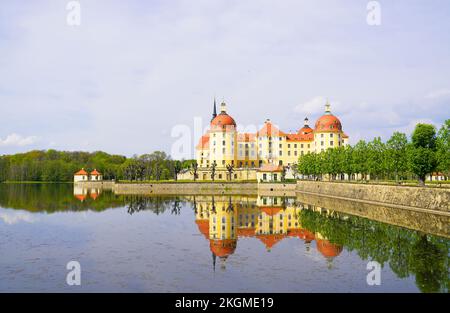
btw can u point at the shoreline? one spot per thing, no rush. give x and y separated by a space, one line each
424 199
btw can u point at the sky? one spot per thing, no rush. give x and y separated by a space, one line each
132 71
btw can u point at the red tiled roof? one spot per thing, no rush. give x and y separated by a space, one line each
328 249
246 232
270 168
270 240
246 137
300 137
222 248
203 227
80 197
270 130
81 172
328 123
223 121
204 142
95 173
271 211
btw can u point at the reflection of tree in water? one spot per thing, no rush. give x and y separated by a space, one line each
176 207
407 252
157 205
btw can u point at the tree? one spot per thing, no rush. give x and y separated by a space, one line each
422 161
213 170
359 157
230 170
443 148
194 170
177 166
422 157
375 157
397 161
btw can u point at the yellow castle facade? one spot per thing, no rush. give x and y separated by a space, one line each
270 219
248 153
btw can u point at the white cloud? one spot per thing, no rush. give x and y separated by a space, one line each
130 72
438 94
13 217
15 140
312 106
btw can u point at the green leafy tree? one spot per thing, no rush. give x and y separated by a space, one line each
422 155
443 149
396 157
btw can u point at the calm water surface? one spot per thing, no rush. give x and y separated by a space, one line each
213 243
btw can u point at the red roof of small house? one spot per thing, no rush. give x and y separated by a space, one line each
81 172
80 197
204 142
95 173
270 130
270 168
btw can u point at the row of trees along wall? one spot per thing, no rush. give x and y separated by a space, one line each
398 158
59 166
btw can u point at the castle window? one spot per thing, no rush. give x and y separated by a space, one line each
331 135
289 153
281 146
281 153
301 146
331 142
321 143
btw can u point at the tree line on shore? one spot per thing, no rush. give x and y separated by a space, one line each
398 158
60 166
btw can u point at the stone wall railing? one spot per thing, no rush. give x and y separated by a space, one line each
418 197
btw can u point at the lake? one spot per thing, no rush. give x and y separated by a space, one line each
211 243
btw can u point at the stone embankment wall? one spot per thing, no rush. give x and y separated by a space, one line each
433 223
105 184
187 188
418 197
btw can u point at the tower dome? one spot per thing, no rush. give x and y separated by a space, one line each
222 120
328 122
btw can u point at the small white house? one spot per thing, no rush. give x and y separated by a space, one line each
96 176
269 173
436 176
81 175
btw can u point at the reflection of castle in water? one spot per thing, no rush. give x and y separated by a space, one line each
82 193
269 219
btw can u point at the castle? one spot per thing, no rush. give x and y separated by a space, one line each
266 152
